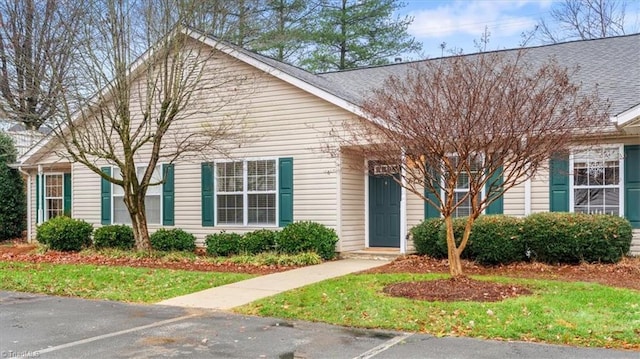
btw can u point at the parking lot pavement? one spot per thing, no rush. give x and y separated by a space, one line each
56 327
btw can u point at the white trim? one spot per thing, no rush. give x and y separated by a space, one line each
39 209
338 200
629 115
403 206
245 193
366 204
620 185
45 209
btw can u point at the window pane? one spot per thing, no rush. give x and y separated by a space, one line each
120 212
229 177
230 209
262 208
261 175
152 209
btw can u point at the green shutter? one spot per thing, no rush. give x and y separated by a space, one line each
429 210
168 195
105 197
66 190
285 191
208 191
559 184
632 184
38 198
494 192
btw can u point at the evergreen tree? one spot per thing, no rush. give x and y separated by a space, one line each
13 208
287 29
355 33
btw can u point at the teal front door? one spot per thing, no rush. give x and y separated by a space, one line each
384 211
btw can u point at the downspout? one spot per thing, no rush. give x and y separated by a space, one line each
403 205
40 215
29 238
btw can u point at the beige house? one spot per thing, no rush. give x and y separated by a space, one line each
292 114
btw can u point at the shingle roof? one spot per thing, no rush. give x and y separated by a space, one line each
612 63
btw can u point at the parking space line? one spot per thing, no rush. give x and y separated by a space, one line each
114 334
384 346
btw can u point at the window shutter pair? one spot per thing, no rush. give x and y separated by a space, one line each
168 196
285 192
66 190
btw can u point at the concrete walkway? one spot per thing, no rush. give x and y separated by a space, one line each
240 293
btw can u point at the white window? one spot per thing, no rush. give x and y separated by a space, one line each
53 196
152 201
246 192
462 188
596 180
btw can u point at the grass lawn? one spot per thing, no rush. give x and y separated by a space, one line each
575 313
127 284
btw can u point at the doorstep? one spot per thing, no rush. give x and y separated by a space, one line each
375 253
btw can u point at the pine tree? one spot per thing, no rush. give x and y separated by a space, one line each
355 33
14 206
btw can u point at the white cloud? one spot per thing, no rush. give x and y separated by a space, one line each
502 18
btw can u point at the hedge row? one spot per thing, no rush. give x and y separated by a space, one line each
295 238
546 237
67 234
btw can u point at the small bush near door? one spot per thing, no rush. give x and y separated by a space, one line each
114 236
173 240
65 234
307 236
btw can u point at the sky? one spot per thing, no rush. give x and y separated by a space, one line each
458 23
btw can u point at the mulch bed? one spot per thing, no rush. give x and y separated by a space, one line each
625 274
26 253
455 289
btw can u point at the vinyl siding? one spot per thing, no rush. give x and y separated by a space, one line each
514 201
352 184
280 120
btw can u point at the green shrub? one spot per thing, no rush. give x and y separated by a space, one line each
261 240
223 244
13 211
174 239
114 236
65 234
577 237
307 236
497 240
425 238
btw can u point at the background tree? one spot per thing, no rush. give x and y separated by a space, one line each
135 120
286 29
358 33
473 122
37 43
583 20
13 211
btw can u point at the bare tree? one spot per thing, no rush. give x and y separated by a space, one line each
144 108
583 20
471 122
37 46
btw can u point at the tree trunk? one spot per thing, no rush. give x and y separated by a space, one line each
137 212
453 254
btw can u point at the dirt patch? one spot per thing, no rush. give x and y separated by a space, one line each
623 274
27 253
455 289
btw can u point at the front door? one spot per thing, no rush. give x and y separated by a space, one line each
384 211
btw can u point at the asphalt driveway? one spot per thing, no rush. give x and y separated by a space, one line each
40 326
